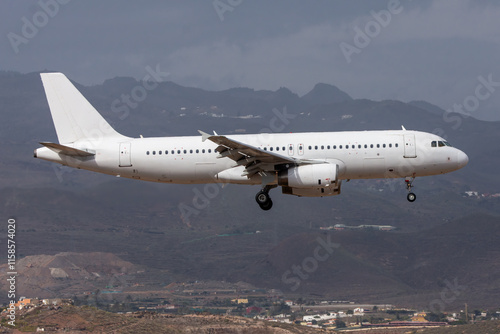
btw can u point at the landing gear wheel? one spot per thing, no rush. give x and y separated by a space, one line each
262 198
411 197
267 205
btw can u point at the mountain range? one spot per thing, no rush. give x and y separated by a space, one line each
446 238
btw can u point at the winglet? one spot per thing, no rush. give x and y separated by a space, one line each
402 127
204 135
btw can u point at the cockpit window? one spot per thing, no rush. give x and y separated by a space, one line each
440 143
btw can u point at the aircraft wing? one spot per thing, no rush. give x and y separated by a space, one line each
255 160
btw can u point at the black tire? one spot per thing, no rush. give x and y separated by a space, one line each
262 197
266 206
411 197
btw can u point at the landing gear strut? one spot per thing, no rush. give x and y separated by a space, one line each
263 198
409 184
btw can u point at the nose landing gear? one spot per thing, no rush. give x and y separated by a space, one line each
409 184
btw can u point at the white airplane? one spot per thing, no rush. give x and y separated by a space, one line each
309 164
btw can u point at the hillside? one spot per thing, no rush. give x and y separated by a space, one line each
444 236
91 320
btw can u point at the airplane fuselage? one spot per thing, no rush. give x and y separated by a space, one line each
187 160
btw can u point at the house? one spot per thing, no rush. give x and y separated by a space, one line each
253 309
240 301
419 317
22 303
359 311
319 317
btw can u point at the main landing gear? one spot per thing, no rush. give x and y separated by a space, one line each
263 198
409 184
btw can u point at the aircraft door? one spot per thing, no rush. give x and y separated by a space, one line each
410 148
300 148
290 149
124 157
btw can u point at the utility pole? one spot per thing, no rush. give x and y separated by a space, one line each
466 314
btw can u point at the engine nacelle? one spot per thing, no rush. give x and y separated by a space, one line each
310 176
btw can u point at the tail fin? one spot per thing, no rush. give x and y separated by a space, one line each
74 117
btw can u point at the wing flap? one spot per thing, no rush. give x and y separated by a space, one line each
236 150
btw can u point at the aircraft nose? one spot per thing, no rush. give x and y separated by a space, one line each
462 159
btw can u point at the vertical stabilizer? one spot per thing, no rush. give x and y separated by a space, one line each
74 117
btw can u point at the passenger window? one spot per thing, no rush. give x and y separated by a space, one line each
191 151
340 146
147 152
359 146
209 151
197 151
378 145
328 147
383 145
185 151
270 148
334 147
166 151
396 145
371 145
390 145
284 148
316 147
159 152
310 148
203 151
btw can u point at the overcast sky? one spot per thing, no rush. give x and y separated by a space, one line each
444 52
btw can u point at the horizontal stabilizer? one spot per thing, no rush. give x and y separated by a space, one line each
66 150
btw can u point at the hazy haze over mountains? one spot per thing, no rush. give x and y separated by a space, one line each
422 50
